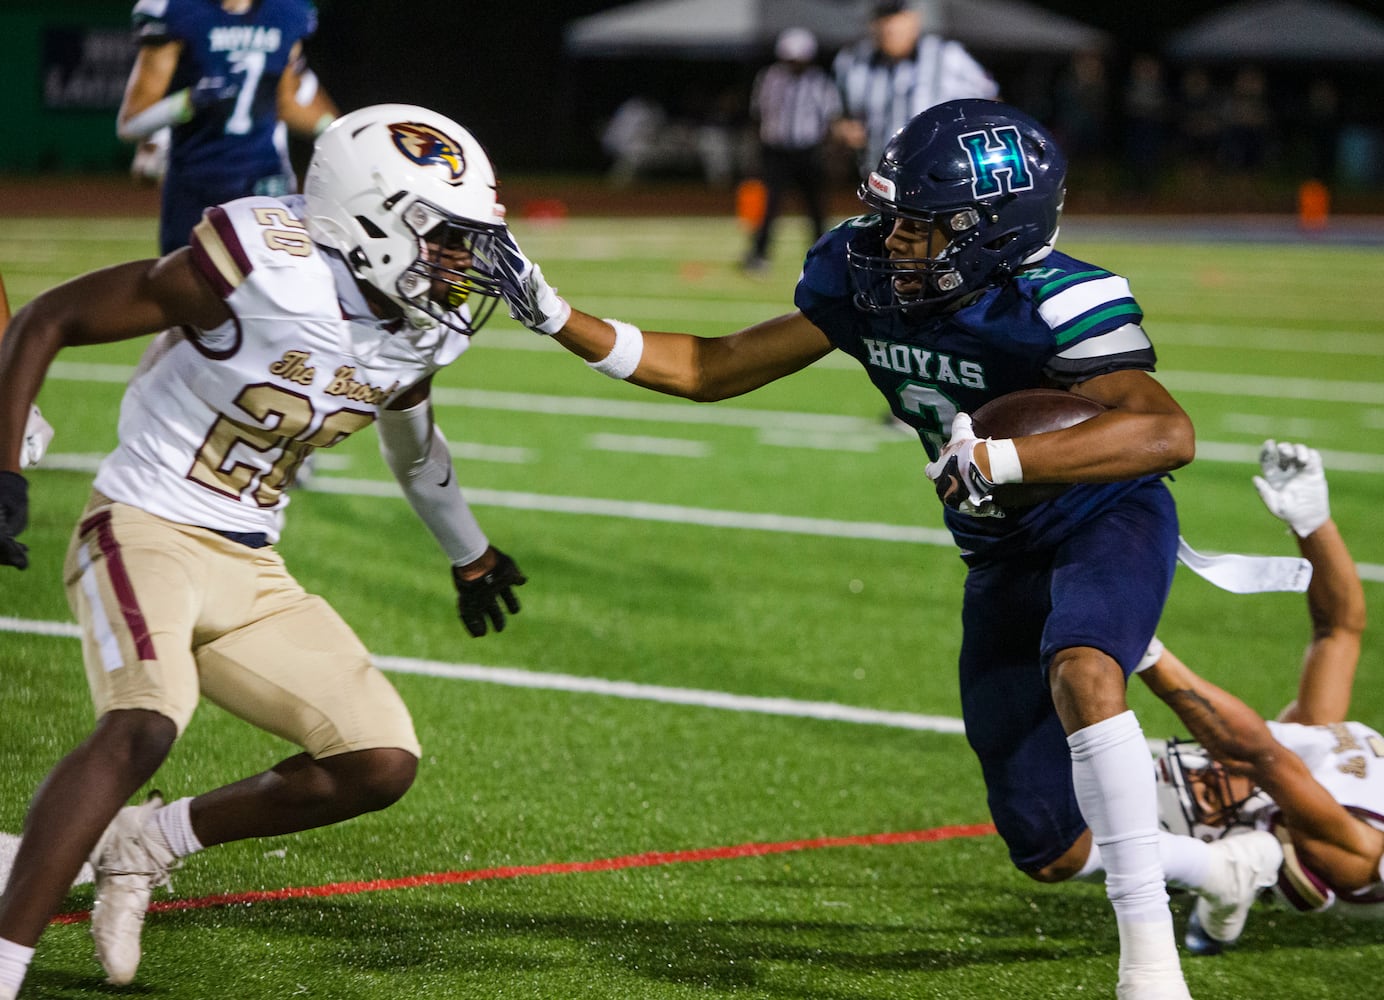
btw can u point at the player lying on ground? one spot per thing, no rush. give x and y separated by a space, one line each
1311 778
289 324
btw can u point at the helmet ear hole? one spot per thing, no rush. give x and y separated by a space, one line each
371 230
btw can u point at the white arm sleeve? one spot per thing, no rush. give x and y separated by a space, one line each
416 452
174 109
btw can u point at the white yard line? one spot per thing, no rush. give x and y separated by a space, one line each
638 510
516 677
1221 384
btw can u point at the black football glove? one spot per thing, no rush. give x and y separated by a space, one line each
14 518
478 600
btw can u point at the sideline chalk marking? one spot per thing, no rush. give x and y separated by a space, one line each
649 859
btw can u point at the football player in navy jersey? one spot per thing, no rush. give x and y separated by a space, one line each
950 295
223 74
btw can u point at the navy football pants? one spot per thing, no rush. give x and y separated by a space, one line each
183 200
1104 586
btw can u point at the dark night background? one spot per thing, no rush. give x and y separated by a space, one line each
499 69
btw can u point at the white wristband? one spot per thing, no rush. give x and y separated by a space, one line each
1150 656
624 357
174 109
1004 461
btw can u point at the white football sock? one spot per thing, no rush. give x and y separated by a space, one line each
14 965
1112 771
1186 862
174 822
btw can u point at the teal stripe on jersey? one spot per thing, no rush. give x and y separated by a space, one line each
1128 310
1053 287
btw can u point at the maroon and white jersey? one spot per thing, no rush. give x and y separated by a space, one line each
215 422
1347 759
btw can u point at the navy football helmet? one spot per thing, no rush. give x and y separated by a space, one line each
984 174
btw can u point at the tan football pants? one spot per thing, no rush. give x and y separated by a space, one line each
170 612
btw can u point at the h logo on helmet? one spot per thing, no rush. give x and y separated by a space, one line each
997 161
426 146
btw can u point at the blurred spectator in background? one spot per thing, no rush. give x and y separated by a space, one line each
1146 122
1198 119
793 105
223 93
719 132
1081 106
1323 123
641 137
896 73
1247 123
631 136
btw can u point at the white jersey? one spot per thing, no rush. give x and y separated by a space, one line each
216 422
1347 759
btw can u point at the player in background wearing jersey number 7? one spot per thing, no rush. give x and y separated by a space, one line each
223 75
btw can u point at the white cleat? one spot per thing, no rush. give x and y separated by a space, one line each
129 863
1240 867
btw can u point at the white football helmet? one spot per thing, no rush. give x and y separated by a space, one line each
407 197
1196 797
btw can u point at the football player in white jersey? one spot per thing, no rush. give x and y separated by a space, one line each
1295 804
288 324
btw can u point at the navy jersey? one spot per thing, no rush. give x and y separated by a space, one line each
1059 322
235 138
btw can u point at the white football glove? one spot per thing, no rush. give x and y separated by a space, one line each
960 484
531 300
1293 486
37 435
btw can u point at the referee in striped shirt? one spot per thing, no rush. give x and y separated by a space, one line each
795 103
898 72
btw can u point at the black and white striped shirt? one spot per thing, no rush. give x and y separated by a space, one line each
885 95
794 109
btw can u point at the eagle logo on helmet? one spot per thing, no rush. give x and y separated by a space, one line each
428 147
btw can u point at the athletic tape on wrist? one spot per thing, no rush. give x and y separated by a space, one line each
174 109
624 357
561 311
1004 461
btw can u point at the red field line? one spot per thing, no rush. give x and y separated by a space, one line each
649 859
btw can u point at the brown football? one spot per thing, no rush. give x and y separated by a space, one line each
1031 411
